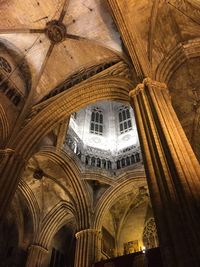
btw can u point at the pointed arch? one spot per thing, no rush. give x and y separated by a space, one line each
58 216
113 88
31 202
80 199
179 55
112 194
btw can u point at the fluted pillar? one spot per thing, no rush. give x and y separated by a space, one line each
11 166
173 174
87 247
36 256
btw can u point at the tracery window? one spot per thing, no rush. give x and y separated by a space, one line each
96 124
5 65
125 123
150 237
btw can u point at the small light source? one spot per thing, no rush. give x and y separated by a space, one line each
143 249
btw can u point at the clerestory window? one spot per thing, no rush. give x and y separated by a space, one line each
125 123
96 124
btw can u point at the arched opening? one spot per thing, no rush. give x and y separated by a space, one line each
100 143
124 224
62 248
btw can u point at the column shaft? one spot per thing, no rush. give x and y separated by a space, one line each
173 174
11 166
87 244
62 130
36 256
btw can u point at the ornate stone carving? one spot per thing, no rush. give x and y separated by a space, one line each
151 83
6 152
120 69
137 90
56 31
112 68
38 174
78 77
97 157
150 237
87 231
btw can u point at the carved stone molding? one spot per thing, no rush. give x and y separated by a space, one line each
137 90
158 85
87 240
86 232
147 82
6 152
113 68
38 247
102 79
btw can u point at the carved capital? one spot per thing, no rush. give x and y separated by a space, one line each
38 248
6 151
5 154
137 90
151 83
86 232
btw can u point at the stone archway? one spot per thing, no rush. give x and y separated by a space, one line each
49 115
110 207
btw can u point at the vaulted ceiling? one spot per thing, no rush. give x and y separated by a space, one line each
165 34
24 25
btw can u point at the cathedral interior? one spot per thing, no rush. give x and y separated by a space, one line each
99 133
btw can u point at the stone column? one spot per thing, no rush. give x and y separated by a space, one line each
11 166
114 165
106 165
36 256
62 131
140 153
173 174
101 163
89 161
95 162
87 247
83 158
